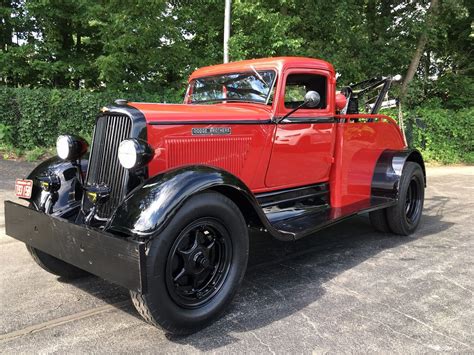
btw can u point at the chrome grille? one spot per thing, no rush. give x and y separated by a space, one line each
104 166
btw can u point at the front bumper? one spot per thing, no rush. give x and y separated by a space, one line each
118 260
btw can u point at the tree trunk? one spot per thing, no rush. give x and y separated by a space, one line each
420 47
77 79
6 32
371 14
426 70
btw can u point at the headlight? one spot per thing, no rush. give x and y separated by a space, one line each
70 147
133 153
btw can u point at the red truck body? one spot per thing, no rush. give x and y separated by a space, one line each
164 202
317 146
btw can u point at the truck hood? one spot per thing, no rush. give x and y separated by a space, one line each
190 112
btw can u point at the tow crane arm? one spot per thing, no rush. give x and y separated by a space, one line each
354 91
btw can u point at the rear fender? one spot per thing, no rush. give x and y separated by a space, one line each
70 192
388 171
148 209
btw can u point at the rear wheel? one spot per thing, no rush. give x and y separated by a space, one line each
405 216
195 266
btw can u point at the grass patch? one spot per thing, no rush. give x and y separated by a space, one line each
18 154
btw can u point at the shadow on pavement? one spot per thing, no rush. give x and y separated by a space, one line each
284 278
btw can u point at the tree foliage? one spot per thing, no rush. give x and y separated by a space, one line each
152 45
145 49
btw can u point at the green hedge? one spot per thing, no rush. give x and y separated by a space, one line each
445 136
35 117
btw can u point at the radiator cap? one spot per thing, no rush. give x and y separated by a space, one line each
121 102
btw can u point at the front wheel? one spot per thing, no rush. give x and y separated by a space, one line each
54 265
195 266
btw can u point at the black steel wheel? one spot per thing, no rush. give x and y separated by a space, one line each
405 216
195 265
413 201
198 262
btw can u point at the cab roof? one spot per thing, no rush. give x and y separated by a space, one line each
277 63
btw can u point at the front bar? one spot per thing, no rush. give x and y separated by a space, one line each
118 260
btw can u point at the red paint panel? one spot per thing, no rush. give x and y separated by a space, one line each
358 146
228 153
280 63
192 112
245 152
302 154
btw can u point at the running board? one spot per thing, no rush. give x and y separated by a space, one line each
301 211
310 221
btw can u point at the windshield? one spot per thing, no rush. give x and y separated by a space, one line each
255 86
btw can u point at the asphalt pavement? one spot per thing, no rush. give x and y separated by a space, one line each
345 289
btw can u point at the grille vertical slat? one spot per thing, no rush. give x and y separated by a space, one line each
94 158
116 129
104 166
229 153
105 148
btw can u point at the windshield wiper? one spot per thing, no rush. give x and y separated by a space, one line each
259 77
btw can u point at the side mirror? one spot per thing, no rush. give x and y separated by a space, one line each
312 99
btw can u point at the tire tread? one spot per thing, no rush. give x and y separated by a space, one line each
396 214
54 265
149 307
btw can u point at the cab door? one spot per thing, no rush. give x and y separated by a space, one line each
303 146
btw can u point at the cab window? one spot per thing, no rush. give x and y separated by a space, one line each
297 85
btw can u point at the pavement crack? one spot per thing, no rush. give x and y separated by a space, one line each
262 342
426 325
457 284
309 321
4 338
429 327
254 335
313 325
275 291
394 330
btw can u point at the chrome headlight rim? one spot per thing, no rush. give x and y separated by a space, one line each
69 147
134 153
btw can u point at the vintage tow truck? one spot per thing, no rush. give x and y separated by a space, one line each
163 202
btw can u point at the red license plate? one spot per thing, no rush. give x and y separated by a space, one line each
23 188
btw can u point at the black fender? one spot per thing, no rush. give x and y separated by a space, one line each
148 209
388 171
70 192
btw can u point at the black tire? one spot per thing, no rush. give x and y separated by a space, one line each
54 265
405 216
379 221
186 290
